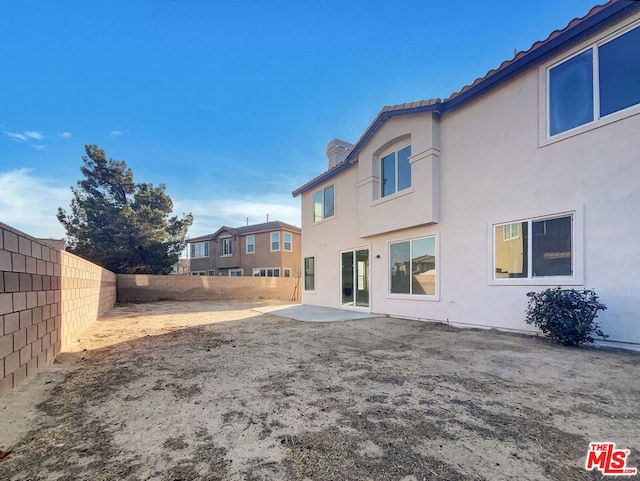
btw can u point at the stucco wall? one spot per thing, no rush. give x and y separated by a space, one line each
47 297
495 166
143 288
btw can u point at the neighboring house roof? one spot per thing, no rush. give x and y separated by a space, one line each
247 229
575 31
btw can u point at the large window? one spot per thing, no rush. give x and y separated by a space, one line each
236 272
251 244
288 241
323 204
395 171
413 267
275 241
542 248
227 245
597 82
309 274
199 249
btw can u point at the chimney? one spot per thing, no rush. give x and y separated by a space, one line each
337 151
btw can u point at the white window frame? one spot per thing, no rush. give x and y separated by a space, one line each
577 254
304 275
251 244
322 217
227 247
265 271
234 272
508 231
545 76
205 247
271 241
290 242
198 273
386 153
286 272
424 297
211 272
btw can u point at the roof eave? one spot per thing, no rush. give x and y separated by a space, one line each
547 49
351 159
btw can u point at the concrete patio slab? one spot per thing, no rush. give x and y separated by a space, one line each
309 313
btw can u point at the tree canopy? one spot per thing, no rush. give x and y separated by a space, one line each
121 225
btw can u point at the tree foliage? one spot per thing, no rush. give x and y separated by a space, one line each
121 225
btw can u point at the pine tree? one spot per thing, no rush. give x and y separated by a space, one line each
121 225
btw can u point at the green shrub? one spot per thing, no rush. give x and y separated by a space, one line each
566 316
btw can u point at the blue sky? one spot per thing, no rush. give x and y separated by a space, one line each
231 106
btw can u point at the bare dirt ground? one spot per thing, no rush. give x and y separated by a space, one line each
216 391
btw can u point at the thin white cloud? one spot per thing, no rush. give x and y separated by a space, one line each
116 133
210 215
29 203
33 135
16 136
65 135
40 147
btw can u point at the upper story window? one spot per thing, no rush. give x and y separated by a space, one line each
275 241
595 83
323 203
227 246
288 241
251 244
395 171
199 249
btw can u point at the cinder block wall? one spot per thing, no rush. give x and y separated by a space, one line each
87 292
144 288
33 316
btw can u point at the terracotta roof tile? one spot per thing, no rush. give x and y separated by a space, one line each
533 47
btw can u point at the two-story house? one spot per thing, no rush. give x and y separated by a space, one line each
452 210
271 249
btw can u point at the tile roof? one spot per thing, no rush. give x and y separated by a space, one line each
247 229
575 30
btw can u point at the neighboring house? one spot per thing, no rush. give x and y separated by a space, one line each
527 179
272 249
180 268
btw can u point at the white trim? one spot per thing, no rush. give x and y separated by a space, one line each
415 297
241 271
355 307
545 137
196 244
284 241
247 244
313 204
266 270
285 270
224 239
304 274
577 254
271 241
394 149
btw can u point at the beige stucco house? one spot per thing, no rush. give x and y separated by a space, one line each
271 249
452 210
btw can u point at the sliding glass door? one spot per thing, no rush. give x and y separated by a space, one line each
355 278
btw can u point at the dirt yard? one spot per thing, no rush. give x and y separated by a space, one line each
216 391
